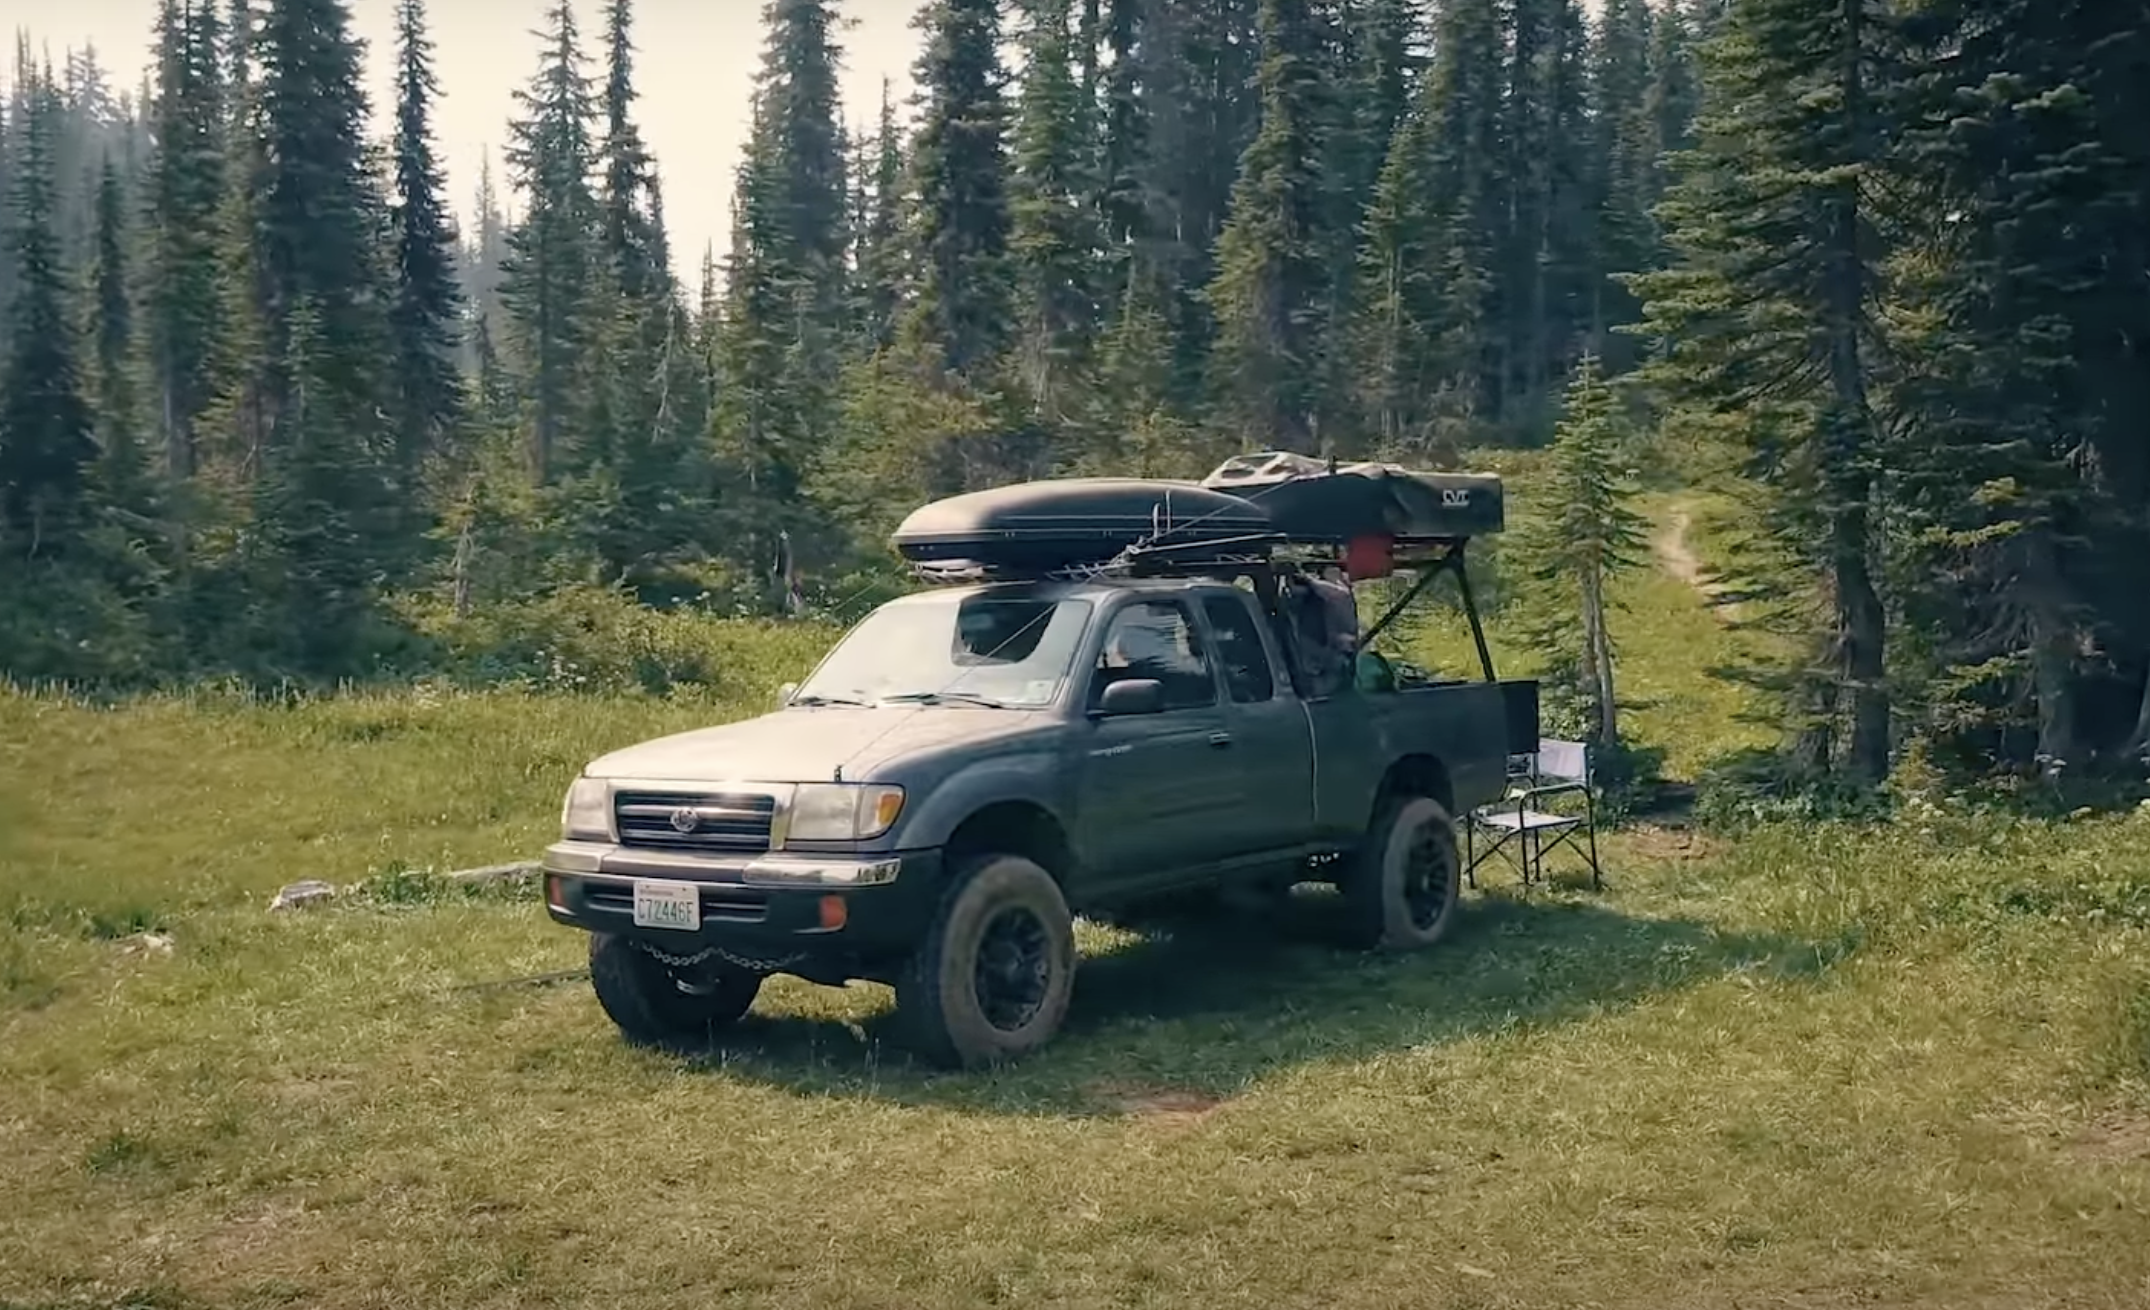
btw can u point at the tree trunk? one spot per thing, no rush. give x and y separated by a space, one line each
2139 740
1860 626
2052 654
1860 620
464 549
1600 659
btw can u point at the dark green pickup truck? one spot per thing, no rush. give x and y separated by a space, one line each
973 766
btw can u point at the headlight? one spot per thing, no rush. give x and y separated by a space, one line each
843 811
586 814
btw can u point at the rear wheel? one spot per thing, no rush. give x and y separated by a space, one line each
667 1001
992 979
1400 891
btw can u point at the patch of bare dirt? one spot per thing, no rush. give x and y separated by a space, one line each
1173 1106
1676 557
1653 842
2118 1137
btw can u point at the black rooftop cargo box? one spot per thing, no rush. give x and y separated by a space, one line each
1306 502
1037 527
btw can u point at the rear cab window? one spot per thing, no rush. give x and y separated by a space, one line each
1248 674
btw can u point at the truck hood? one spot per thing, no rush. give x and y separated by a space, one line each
810 744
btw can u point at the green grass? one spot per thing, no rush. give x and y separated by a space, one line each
1900 1065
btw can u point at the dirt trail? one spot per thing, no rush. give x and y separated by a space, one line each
1676 557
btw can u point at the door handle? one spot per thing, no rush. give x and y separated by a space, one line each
1220 739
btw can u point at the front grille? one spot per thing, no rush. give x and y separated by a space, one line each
721 902
676 821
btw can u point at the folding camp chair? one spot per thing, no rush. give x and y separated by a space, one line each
1524 826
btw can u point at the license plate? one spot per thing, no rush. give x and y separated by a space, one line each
668 905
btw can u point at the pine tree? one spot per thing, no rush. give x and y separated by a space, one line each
1401 303
1531 182
316 206
47 443
1675 92
424 318
1055 242
122 466
782 338
1270 291
186 193
1773 306
547 276
1626 144
1573 267
487 249
633 240
2014 347
1463 93
1590 534
959 171
320 506
882 273
320 375
1124 140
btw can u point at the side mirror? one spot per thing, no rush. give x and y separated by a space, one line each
1132 696
786 692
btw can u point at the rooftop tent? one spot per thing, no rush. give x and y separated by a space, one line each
1041 527
1308 501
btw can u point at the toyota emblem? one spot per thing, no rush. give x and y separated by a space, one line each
685 819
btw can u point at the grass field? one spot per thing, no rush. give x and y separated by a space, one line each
1899 1066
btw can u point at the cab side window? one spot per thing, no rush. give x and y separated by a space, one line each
1239 650
1156 639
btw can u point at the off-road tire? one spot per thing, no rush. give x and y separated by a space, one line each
647 1000
1390 904
940 1013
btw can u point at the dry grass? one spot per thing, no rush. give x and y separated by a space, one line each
1896 1066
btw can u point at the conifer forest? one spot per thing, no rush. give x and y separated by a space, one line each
275 407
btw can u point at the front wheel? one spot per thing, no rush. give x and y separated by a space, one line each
1401 888
656 1003
992 979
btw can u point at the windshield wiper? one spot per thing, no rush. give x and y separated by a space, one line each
818 699
944 698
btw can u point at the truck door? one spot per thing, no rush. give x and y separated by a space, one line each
1151 794
1269 749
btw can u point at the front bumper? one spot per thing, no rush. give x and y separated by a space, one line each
785 904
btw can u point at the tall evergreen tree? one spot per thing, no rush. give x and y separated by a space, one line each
47 442
1773 307
1531 182
2007 429
959 169
486 250
1270 293
1463 92
122 467
1626 145
316 206
1055 243
1590 535
782 340
425 315
1402 303
323 453
546 278
634 241
1675 92
186 193
882 271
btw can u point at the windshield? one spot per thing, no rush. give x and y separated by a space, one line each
1000 650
